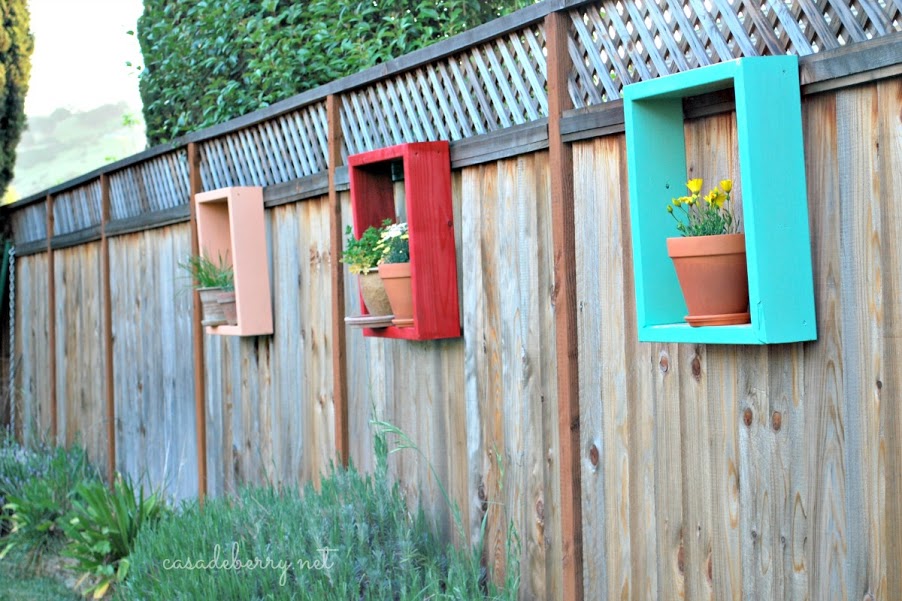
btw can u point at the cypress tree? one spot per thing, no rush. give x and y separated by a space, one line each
16 45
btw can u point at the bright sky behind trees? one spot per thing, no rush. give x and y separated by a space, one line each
80 53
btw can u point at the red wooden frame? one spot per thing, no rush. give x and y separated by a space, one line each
430 223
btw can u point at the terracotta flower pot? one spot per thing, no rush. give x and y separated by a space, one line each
212 311
373 292
229 307
713 276
396 278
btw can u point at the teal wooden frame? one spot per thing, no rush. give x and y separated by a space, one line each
775 208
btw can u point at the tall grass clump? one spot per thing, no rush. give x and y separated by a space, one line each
353 538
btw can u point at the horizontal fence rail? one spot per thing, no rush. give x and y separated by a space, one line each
485 81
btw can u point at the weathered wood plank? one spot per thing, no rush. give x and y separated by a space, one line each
861 320
824 369
890 377
670 520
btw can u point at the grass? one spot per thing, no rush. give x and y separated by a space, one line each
270 543
20 584
355 536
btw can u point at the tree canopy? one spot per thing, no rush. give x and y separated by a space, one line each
208 61
16 46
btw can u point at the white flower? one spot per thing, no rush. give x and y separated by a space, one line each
394 230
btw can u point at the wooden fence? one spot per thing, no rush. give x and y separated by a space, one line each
630 470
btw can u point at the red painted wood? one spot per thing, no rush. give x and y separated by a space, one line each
430 222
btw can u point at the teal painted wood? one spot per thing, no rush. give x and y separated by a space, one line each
775 206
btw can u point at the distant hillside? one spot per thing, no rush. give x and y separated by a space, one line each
66 144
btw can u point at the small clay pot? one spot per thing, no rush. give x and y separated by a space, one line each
212 310
396 278
229 307
373 292
713 277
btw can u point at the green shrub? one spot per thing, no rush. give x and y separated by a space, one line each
38 508
102 528
16 46
18 465
208 62
354 538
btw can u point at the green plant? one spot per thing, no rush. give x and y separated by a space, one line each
208 62
16 46
362 255
39 508
394 244
209 274
102 528
713 218
18 465
19 583
352 538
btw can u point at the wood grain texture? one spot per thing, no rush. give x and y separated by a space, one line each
79 350
889 142
560 155
269 402
154 383
32 352
507 301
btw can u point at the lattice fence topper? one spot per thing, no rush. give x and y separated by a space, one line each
482 89
621 42
281 149
153 185
76 208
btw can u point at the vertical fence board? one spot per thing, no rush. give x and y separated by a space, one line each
155 417
32 350
78 349
890 377
861 237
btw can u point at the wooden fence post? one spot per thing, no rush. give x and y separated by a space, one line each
51 320
197 330
108 387
563 234
339 338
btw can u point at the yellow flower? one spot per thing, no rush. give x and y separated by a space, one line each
716 198
726 185
669 209
676 202
695 185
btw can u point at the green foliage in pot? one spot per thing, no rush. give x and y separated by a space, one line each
395 244
362 255
207 273
102 529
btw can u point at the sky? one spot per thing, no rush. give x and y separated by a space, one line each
80 54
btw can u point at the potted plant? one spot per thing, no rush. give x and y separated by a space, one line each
362 258
394 269
709 258
227 302
210 279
